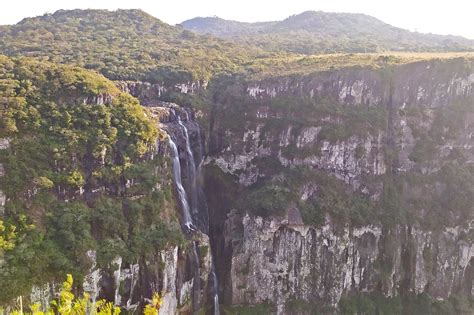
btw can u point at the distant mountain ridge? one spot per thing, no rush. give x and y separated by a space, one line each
133 45
313 32
122 44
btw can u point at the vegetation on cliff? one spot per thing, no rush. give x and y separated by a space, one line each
77 175
285 108
375 303
66 303
280 66
78 172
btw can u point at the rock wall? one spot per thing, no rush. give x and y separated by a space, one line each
288 119
150 94
366 128
170 273
376 131
275 262
180 274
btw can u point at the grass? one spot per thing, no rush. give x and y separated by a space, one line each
302 64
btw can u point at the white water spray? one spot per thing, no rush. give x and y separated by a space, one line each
183 198
215 287
191 167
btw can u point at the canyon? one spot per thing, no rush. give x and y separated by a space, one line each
237 182
276 257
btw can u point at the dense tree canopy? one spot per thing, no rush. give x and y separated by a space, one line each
75 140
124 44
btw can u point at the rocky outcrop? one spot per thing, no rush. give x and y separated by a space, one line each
181 275
373 111
346 86
100 99
275 262
130 286
150 94
397 138
400 129
420 83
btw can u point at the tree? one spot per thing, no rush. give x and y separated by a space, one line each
153 307
67 304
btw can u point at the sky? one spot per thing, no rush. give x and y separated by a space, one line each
428 16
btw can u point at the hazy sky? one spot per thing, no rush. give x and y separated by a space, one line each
435 16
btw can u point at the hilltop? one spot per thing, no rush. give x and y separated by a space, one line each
133 45
122 44
315 32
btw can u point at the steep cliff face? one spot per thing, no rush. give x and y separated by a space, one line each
341 121
344 182
275 262
180 274
87 188
302 192
151 94
325 186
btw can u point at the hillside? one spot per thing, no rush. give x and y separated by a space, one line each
133 45
65 134
322 32
122 44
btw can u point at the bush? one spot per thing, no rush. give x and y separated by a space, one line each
269 200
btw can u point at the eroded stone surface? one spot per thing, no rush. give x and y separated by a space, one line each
278 262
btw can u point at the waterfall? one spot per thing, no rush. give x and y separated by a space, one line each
197 278
183 198
191 166
117 273
188 145
215 288
195 193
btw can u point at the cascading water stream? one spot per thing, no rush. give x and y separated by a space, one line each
183 196
197 277
215 288
191 166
